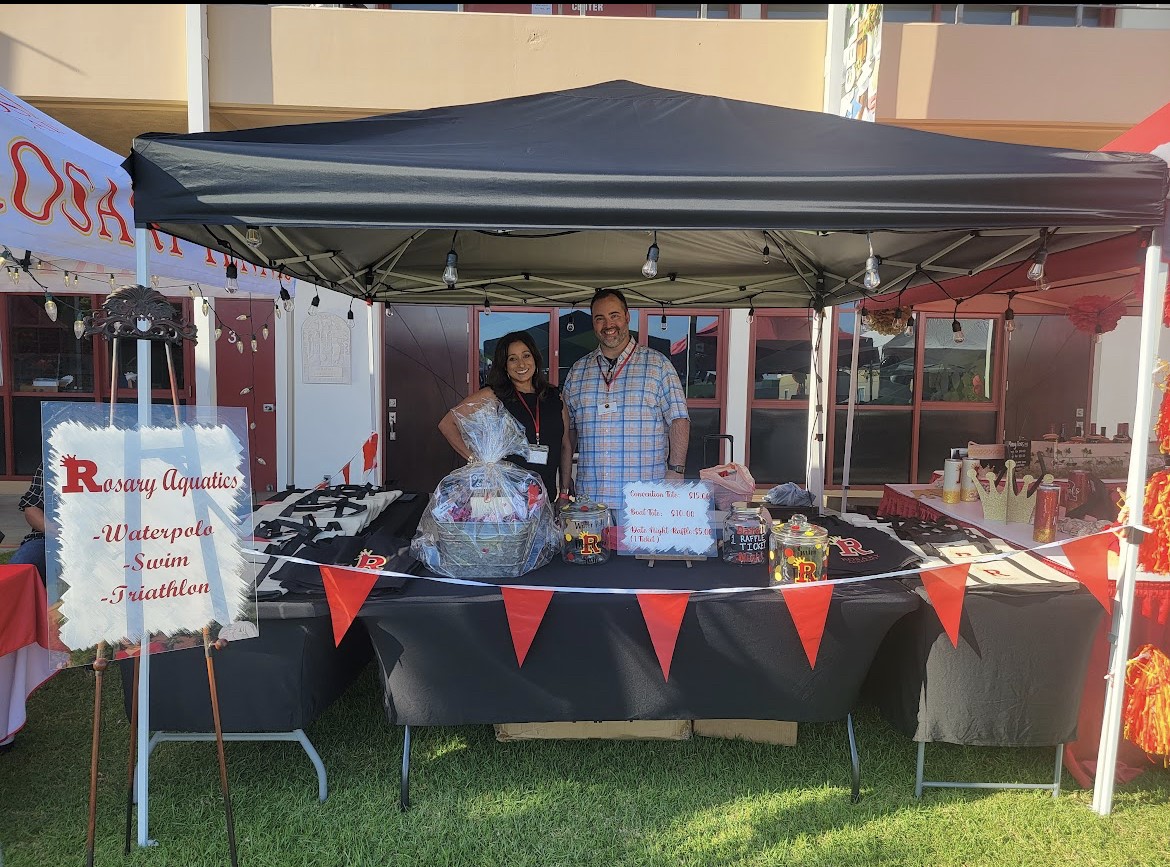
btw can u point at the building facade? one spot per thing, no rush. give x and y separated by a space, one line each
1056 75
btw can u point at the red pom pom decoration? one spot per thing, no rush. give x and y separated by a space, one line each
1154 553
1096 314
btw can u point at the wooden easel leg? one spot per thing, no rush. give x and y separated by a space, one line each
99 667
208 645
133 755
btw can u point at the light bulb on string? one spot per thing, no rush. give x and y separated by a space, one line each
261 461
662 322
79 326
264 331
218 332
65 280
389 311
231 274
276 309
190 290
349 315
247 389
255 344
252 236
873 277
240 347
50 307
650 268
767 252
752 312
315 304
206 308
451 267
487 306
251 425
285 299
154 281
1036 269
113 282
957 331
1009 316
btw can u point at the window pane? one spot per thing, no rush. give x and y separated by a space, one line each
783 356
904 13
986 14
676 10
718 10
692 345
959 371
941 431
881 447
798 10
493 326
705 421
778 446
885 365
26 431
1063 16
46 355
159 376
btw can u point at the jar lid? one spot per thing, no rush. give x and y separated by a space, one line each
584 507
798 525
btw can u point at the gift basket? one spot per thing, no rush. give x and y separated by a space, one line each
490 518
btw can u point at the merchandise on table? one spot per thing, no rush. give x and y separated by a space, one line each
968 482
1047 508
952 483
490 518
745 535
585 526
855 551
797 551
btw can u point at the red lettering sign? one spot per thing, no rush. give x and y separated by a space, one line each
850 547
79 473
590 543
23 182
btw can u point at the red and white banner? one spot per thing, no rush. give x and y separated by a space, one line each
67 201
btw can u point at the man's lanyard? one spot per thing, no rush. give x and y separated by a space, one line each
534 416
611 377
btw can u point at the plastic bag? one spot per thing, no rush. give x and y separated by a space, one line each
790 495
731 483
490 518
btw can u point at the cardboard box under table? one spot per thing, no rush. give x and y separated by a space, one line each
446 655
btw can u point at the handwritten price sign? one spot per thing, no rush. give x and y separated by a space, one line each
147 527
668 518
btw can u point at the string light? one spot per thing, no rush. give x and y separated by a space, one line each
1036 270
315 303
451 269
873 277
662 322
767 252
240 347
264 331
487 306
1009 316
154 280
255 344
650 268
231 275
206 308
956 326
113 282
252 236
79 326
6 257
247 389
389 311
218 332
190 290
349 314
751 311
285 299
276 308
50 307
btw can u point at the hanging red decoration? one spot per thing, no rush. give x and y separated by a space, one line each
1096 314
1154 554
1147 702
1163 427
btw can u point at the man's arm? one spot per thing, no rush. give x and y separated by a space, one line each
35 518
679 437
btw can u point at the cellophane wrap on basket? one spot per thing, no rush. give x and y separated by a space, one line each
490 518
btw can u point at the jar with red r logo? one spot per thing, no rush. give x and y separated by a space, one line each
798 551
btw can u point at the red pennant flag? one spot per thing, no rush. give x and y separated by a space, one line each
1089 558
345 473
663 613
808 604
346 590
525 610
945 586
370 453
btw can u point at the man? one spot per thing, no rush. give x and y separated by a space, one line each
32 503
627 411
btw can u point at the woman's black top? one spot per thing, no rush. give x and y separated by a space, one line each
527 409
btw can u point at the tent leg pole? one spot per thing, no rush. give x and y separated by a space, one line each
852 410
854 759
404 784
1152 303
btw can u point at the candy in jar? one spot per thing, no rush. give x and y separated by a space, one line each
798 551
586 533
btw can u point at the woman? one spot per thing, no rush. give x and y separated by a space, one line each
517 382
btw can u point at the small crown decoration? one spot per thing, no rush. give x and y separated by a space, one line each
1007 505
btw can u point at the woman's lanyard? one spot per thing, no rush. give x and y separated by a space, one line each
535 416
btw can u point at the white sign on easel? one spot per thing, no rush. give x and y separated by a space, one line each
149 531
667 519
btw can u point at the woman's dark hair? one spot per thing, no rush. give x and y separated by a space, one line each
497 378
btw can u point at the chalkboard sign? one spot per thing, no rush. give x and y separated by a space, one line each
667 518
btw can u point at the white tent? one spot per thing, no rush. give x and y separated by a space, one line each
65 208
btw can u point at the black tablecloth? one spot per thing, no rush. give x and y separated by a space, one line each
280 681
1014 680
447 658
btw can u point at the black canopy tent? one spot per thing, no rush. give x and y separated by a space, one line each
545 198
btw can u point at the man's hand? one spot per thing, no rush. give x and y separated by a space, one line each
672 476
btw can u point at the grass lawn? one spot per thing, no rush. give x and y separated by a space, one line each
479 802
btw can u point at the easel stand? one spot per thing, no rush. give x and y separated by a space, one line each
651 559
143 315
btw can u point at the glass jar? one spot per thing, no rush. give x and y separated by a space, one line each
798 551
588 533
745 535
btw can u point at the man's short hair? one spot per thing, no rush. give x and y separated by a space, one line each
609 293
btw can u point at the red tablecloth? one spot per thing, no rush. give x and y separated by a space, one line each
24 660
